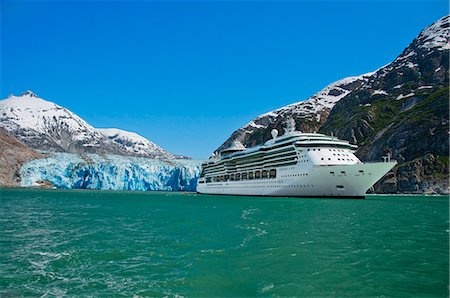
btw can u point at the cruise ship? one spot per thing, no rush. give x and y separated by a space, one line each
294 164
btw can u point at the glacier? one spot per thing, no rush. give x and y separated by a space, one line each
111 172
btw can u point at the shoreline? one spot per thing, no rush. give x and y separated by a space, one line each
187 192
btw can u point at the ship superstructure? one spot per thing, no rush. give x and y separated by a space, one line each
294 164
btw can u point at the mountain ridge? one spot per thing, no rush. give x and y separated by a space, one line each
44 125
309 114
381 112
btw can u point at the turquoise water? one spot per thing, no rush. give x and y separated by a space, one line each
167 244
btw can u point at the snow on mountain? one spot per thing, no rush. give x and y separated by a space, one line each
111 172
423 63
309 114
325 99
427 46
44 125
38 116
135 144
436 35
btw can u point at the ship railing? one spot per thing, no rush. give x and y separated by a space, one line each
387 158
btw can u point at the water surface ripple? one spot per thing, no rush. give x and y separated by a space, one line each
79 243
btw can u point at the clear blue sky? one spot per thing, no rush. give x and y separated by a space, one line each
187 74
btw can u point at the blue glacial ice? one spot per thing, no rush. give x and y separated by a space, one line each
112 172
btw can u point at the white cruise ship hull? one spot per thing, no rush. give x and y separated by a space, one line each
344 181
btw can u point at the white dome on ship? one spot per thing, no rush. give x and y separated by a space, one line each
234 147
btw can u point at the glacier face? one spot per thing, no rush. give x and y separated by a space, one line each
111 172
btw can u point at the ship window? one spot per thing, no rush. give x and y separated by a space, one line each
322 158
250 175
340 186
244 176
238 176
208 179
232 177
257 174
361 171
332 173
272 173
342 172
264 174
308 149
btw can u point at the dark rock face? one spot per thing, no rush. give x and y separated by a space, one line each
13 154
403 110
426 174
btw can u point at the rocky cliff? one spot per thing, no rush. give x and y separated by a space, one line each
13 154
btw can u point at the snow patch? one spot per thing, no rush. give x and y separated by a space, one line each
382 92
411 65
401 96
436 36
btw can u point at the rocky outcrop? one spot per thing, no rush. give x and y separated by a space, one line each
426 174
13 154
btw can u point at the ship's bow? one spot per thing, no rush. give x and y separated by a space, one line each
350 180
